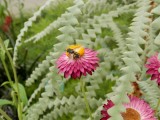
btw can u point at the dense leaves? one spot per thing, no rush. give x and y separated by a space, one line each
123 32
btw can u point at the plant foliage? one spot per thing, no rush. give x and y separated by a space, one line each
124 35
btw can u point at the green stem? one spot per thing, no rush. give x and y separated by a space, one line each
7 72
1 118
158 104
15 77
85 99
4 115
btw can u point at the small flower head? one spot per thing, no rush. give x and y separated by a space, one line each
6 25
153 66
8 20
136 109
77 61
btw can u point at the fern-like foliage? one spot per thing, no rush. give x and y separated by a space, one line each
151 90
25 29
122 49
132 57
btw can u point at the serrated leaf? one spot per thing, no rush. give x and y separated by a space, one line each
73 21
155 24
74 10
135 48
68 30
65 37
156 10
157 39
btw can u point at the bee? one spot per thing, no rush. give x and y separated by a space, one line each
75 51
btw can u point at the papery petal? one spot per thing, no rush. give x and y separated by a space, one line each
154 76
78 67
151 71
137 104
153 64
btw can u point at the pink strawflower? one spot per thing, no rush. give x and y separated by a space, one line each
136 109
154 68
77 61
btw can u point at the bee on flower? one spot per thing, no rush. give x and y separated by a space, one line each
77 61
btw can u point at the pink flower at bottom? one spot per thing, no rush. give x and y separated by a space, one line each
105 108
136 109
153 66
77 61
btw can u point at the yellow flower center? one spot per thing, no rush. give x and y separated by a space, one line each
131 114
75 51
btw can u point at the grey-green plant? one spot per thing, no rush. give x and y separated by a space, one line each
124 35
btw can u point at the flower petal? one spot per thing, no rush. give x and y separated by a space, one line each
78 67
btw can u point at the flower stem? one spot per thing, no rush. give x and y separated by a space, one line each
16 82
15 78
7 72
4 115
158 104
85 99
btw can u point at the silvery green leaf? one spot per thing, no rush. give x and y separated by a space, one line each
157 39
156 10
